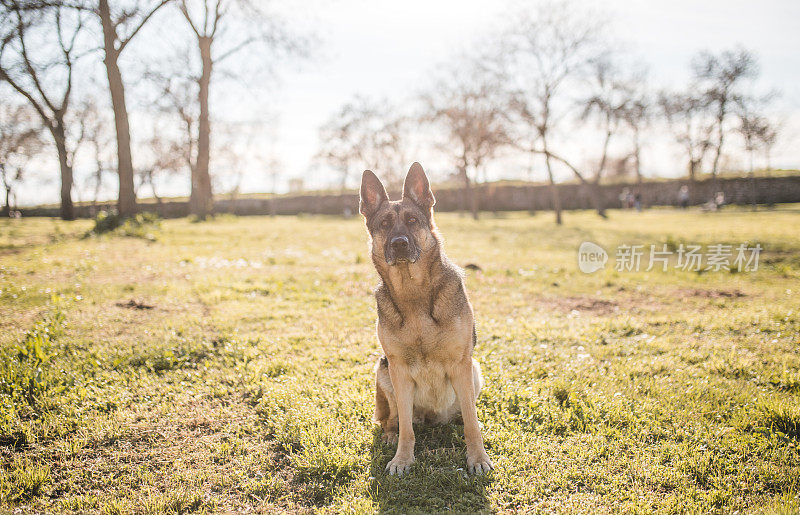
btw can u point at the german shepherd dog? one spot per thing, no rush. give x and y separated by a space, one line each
425 323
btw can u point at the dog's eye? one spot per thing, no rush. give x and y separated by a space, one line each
385 223
412 220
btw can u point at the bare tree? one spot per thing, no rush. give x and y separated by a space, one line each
621 167
174 96
224 28
549 48
769 137
468 106
120 24
755 129
637 117
751 126
43 75
201 197
365 134
688 118
239 148
20 140
609 104
98 137
719 78
165 156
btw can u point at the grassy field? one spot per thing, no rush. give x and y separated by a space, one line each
227 366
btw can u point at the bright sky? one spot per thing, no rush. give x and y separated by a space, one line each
388 49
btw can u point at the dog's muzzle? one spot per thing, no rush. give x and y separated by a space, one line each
401 249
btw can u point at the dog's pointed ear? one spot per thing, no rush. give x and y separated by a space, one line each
417 188
373 194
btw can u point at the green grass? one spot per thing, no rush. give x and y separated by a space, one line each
226 366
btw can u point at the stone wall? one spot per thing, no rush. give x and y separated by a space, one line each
493 197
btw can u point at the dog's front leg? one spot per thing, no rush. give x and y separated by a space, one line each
403 386
463 383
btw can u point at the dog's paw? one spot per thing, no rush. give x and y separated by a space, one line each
389 437
479 463
399 465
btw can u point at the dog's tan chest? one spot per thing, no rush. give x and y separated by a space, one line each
421 340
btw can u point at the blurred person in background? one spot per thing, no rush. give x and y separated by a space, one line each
683 197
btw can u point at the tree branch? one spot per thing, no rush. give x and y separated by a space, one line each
124 42
235 49
185 11
217 16
38 107
29 66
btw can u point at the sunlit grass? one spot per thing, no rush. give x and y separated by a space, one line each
226 365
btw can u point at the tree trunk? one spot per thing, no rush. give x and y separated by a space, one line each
126 203
201 199
97 185
717 153
67 209
153 188
469 192
752 182
599 205
597 198
636 157
6 211
720 139
553 188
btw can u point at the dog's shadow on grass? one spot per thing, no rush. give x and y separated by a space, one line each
438 479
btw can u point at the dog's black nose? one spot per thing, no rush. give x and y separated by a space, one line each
400 242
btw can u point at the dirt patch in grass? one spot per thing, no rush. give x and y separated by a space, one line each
709 294
590 305
10 250
597 306
134 304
